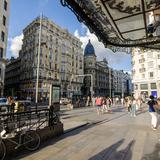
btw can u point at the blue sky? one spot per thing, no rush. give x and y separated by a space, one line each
22 12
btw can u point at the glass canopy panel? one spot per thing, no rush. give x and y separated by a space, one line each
131 23
124 23
135 35
152 4
123 8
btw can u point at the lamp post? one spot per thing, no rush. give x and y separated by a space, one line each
110 91
39 48
122 89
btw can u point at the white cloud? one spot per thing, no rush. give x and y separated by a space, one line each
16 45
116 60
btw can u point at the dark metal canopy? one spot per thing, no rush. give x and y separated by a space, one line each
120 23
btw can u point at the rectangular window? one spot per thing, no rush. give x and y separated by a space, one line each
2 36
151 74
55 66
153 86
4 20
144 86
1 52
158 56
5 5
150 64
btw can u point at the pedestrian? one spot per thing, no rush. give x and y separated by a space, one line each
70 105
88 101
152 112
11 102
133 107
98 104
157 109
122 101
78 101
128 104
104 105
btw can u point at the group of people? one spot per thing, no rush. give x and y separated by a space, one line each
103 104
133 104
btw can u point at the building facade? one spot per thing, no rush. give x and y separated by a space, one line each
146 72
102 75
12 77
122 83
106 81
61 58
4 15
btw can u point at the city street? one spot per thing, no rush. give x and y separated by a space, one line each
111 136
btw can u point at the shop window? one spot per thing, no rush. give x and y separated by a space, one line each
153 86
144 86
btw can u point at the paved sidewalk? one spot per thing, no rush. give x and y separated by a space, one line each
111 136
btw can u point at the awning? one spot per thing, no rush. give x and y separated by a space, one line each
120 23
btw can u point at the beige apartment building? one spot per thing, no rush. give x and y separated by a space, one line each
61 58
4 14
146 72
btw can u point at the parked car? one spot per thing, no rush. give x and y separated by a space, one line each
64 101
3 105
3 101
22 105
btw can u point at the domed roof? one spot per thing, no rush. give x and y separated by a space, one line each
89 50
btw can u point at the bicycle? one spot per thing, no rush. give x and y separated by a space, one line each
27 138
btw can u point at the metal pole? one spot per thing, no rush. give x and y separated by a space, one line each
122 88
39 49
110 83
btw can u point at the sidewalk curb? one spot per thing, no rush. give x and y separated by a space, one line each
75 128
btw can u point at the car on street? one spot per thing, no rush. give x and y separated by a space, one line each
3 101
3 104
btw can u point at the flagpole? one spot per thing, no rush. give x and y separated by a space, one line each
39 49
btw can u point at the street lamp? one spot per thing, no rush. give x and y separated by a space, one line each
122 88
39 48
110 91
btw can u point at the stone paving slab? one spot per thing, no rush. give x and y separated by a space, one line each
116 136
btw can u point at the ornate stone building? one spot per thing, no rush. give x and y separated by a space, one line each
146 72
102 74
4 14
106 81
122 83
61 57
12 77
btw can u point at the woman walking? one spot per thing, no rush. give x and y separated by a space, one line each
133 107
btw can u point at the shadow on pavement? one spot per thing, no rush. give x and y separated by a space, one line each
111 152
141 111
119 109
155 155
68 134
